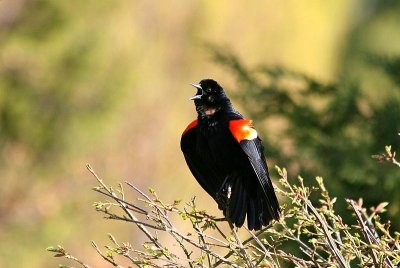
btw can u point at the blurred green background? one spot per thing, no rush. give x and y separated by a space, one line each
107 83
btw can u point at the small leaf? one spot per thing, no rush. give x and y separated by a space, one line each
381 207
388 148
51 248
59 255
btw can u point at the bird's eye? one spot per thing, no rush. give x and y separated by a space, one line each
208 90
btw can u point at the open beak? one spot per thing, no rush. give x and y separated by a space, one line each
199 92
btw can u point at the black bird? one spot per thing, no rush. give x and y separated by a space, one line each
225 155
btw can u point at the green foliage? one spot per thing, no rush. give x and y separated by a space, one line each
324 238
51 78
60 81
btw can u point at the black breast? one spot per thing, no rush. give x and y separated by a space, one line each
216 143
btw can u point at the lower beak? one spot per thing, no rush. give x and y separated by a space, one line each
195 97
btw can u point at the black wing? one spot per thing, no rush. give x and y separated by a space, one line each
201 170
255 153
247 137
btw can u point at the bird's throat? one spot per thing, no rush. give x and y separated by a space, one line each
208 111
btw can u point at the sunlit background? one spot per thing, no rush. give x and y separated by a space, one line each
107 83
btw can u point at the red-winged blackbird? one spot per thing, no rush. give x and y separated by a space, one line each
225 155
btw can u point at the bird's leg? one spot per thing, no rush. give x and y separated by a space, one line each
229 192
228 199
224 195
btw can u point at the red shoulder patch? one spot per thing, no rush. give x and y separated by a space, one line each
190 126
242 129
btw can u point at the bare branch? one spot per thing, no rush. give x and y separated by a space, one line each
320 234
128 212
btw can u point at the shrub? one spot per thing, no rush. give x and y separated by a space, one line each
309 234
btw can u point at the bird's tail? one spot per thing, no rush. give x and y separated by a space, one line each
243 198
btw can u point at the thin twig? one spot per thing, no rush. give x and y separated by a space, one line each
167 223
112 216
128 212
264 249
389 156
200 234
245 255
129 205
61 252
331 242
368 234
106 258
208 251
303 245
248 240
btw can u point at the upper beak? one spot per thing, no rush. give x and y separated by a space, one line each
198 96
197 86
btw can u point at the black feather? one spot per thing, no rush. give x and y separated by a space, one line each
241 209
253 150
251 213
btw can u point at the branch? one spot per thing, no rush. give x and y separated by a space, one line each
331 242
368 234
124 207
61 252
389 156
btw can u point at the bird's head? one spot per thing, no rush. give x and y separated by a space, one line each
210 97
